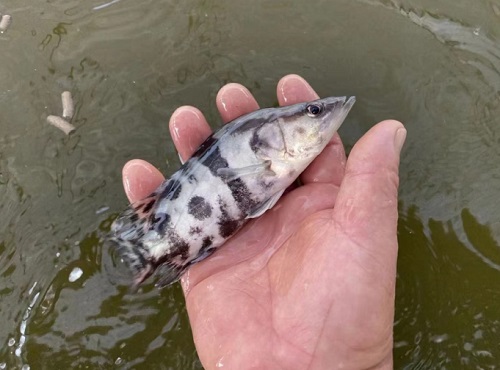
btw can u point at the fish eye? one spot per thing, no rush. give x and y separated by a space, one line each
314 110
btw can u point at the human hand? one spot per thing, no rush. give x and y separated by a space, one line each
311 283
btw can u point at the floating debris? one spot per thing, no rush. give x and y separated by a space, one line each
5 23
61 124
68 105
102 210
75 274
99 7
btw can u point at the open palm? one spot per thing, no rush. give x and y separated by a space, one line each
311 283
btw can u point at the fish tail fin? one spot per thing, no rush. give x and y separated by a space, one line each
126 236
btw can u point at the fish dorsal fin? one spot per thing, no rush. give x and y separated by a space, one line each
268 204
230 174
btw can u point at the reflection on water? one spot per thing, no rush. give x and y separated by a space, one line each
129 64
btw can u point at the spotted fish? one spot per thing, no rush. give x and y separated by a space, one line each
237 174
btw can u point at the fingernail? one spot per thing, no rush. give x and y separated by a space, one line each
183 118
292 86
232 95
400 139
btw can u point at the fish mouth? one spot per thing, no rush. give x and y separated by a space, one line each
339 108
349 102
346 107
339 104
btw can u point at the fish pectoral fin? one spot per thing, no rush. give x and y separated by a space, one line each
268 204
230 174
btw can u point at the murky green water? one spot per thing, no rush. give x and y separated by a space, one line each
435 65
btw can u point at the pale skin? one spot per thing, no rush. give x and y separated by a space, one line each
311 283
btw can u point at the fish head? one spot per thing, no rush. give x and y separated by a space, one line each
301 131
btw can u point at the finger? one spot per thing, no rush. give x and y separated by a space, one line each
140 179
234 100
366 208
293 89
188 128
330 165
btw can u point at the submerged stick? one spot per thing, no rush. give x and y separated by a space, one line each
5 22
61 124
68 105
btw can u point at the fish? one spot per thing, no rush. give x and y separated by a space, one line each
237 174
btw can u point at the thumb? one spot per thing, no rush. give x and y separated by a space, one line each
366 209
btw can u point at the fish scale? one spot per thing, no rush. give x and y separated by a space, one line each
238 173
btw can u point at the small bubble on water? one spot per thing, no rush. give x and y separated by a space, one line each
401 343
25 367
11 342
118 361
75 274
468 346
478 334
476 31
3 365
483 353
58 254
439 338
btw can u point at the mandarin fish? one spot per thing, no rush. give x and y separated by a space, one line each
237 174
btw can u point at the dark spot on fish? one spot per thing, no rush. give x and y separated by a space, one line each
192 179
172 189
207 242
179 250
176 191
215 161
195 230
148 206
159 222
204 146
199 208
239 190
180 247
227 225
257 143
241 195
300 130
134 217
